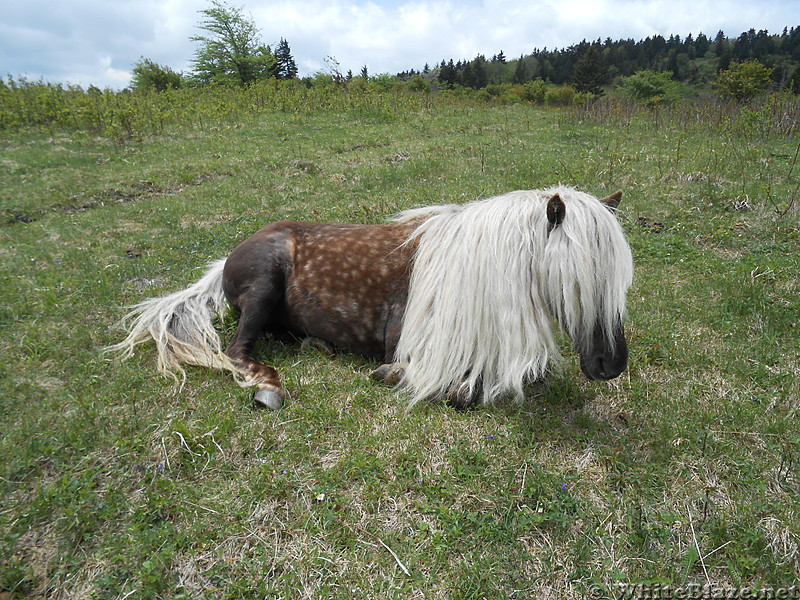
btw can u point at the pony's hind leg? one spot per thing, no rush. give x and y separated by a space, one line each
318 344
253 320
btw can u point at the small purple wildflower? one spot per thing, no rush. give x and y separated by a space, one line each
564 486
490 437
160 467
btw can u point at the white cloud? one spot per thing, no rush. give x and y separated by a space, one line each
98 42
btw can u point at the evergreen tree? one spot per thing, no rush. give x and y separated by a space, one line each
701 45
763 45
743 46
591 72
467 77
720 43
520 73
672 61
724 59
448 75
480 78
286 68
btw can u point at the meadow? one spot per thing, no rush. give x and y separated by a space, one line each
685 471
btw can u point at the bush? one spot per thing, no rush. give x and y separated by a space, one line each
535 91
560 96
651 87
383 82
743 81
502 93
419 84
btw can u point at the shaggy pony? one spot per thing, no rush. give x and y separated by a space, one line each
458 300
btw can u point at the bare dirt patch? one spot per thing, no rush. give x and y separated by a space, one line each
135 192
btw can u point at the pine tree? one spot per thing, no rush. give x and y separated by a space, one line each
448 75
720 43
467 77
521 72
701 45
591 72
480 79
286 68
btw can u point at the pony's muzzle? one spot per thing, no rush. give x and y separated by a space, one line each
607 359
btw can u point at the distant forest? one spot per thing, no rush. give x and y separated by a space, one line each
589 66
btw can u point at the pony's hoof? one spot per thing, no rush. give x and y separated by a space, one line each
460 398
269 398
390 374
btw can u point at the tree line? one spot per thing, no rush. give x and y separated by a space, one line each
231 52
589 66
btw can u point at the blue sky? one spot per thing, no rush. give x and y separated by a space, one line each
97 42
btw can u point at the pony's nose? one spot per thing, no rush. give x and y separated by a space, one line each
603 367
606 361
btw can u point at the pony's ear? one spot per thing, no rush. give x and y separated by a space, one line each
555 211
612 201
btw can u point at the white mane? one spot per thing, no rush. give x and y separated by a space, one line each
487 277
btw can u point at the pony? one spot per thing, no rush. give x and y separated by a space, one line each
458 301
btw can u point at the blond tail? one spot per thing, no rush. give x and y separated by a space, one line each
182 326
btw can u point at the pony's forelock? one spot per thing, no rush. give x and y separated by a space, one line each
587 268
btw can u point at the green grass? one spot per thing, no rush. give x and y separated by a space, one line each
115 484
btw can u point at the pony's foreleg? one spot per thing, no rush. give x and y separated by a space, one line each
459 396
389 373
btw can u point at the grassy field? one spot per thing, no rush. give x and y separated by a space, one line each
684 471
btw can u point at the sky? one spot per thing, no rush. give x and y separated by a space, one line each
98 42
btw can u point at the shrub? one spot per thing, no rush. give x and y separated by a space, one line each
535 91
419 84
560 96
743 81
651 87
